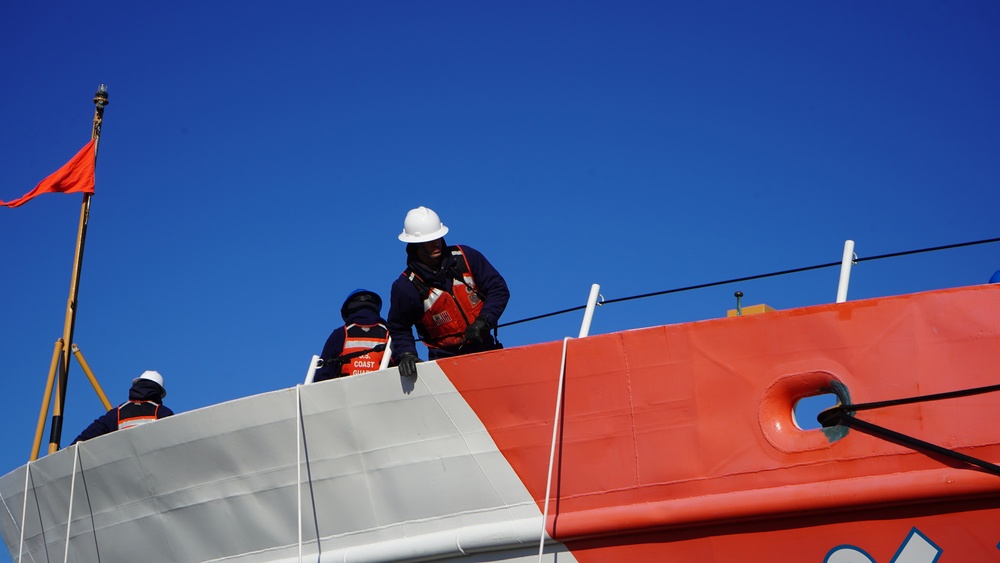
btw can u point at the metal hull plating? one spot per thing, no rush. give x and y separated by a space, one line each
673 443
391 470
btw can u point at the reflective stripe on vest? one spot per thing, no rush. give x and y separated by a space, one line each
358 338
137 413
447 314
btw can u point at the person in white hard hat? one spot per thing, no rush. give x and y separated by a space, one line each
144 405
451 294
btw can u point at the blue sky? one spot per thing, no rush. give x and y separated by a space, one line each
257 161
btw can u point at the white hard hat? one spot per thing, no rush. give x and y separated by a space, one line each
152 376
422 225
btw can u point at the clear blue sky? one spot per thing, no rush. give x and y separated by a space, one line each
258 159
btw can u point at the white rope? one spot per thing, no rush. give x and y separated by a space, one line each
552 453
24 510
72 488
298 461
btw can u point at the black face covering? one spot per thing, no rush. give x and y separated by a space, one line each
359 301
356 306
413 248
146 390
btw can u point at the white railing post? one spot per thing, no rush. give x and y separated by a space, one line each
387 356
312 369
845 271
588 315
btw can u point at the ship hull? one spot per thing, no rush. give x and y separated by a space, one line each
671 443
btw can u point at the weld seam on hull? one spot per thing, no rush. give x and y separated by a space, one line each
922 487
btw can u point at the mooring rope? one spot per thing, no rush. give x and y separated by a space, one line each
24 512
552 452
72 488
844 414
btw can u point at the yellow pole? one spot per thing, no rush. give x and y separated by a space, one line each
100 100
56 355
90 376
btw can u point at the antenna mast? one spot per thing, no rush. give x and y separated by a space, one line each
64 346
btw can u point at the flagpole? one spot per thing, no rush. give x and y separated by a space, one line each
100 101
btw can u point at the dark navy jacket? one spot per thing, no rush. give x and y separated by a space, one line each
142 390
406 305
335 343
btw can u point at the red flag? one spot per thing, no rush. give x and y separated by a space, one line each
76 176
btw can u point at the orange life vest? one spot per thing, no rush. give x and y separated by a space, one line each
447 314
137 413
358 338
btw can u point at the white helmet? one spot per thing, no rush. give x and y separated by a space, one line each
422 225
152 376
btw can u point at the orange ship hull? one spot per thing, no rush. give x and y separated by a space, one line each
678 443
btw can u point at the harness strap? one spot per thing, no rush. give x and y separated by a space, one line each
351 356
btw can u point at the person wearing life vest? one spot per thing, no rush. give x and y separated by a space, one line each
144 405
451 294
358 346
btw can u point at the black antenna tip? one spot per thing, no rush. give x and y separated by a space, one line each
101 96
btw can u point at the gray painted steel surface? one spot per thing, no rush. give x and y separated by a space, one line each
391 470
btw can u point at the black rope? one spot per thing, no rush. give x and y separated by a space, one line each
537 317
931 249
844 414
678 290
919 399
903 439
750 278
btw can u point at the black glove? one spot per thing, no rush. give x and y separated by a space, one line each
474 332
408 364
